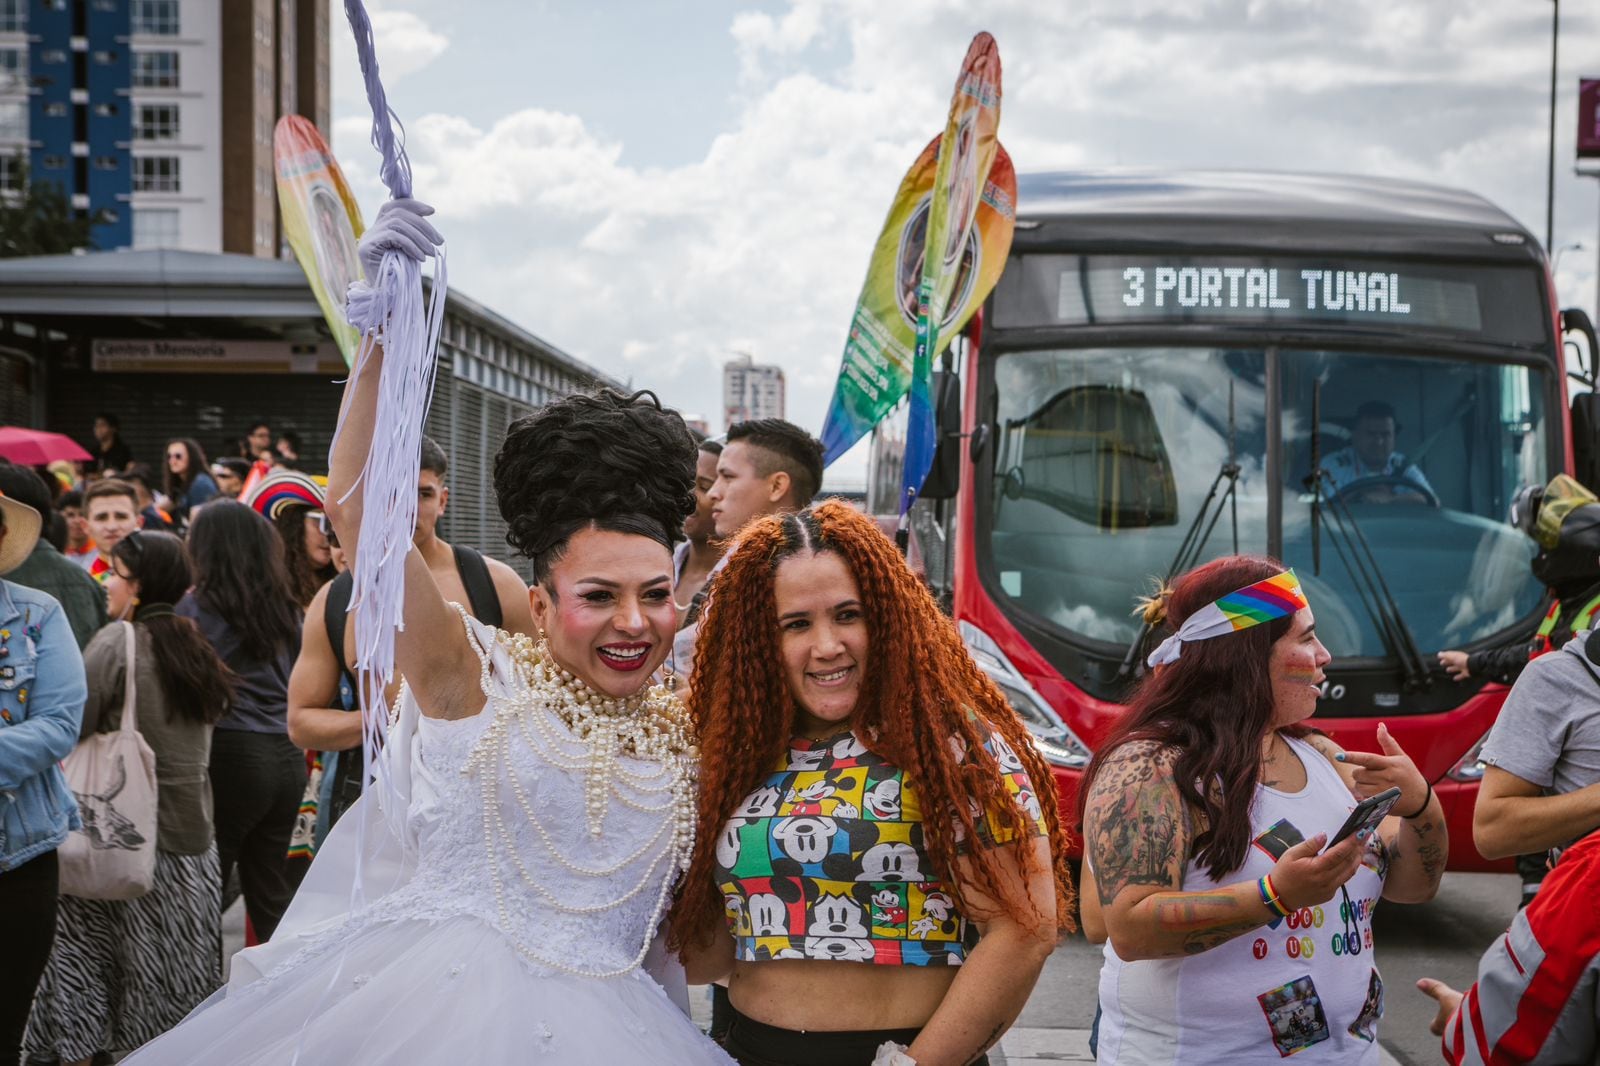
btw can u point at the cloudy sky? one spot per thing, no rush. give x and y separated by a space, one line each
652 186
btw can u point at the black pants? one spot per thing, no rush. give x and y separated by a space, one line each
28 898
257 780
753 1043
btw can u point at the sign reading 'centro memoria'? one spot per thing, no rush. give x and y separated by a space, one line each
185 355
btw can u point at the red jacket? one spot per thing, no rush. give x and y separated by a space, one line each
1536 1001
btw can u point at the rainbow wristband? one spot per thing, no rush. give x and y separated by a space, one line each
1269 897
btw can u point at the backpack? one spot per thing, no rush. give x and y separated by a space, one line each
482 600
113 776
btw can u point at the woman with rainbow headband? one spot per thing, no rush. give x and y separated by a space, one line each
866 801
1235 936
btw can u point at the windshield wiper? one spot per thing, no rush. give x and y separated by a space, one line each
1194 540
1362 565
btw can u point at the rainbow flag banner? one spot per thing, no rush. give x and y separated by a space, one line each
321 220
959 196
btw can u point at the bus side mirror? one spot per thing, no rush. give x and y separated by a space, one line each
1576 320
979 442
944 478
1586 440
1585 405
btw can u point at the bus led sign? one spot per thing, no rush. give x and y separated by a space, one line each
1237 287
1485 301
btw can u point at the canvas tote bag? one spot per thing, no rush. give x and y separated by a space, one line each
113 775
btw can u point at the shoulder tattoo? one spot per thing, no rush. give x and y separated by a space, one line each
1136 826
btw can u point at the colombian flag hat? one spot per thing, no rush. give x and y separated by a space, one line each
286 488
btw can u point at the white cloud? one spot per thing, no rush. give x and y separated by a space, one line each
758 34
762 241
405 43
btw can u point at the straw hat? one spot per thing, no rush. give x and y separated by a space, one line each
22 533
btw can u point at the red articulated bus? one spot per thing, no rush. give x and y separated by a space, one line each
1353 375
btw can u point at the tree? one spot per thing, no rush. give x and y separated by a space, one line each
36 218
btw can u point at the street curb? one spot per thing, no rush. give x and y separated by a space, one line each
1041 1047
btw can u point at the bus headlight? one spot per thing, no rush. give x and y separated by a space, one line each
1471 767
1059 745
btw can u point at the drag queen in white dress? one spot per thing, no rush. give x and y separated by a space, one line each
534 804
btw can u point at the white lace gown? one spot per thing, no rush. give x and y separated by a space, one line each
426 966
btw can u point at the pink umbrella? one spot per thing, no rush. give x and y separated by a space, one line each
35 447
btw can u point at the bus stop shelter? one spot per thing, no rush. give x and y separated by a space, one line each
191 344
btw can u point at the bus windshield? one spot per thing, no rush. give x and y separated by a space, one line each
1104 456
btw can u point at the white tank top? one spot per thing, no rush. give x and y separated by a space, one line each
1305 986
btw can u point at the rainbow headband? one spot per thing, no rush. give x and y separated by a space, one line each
1262 602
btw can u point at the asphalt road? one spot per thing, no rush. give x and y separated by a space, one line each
1441 939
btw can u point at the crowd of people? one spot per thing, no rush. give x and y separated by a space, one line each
184 596
725 737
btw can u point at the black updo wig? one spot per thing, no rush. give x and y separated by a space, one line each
603 461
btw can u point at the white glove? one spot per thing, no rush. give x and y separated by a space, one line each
401 226
892 1054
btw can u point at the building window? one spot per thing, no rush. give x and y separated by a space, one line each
105 162
11 168
106 110
13 16
158 17
104 5
55 162
156 122
52 55
13 64
57 109
155 227
13 119
155 70
105 59
156 173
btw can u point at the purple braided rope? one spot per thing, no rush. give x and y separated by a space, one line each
390 310
396 169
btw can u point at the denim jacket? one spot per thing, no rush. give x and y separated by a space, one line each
42 691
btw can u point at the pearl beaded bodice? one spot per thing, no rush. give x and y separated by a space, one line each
512 827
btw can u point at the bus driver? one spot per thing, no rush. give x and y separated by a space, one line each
1371 454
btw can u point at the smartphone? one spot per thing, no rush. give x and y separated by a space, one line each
1368 813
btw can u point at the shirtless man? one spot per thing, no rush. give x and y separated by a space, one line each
701 551
322 688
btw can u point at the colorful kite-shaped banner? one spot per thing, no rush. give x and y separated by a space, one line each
321 220
966 152
975 196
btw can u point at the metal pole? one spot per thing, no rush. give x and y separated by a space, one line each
1550 181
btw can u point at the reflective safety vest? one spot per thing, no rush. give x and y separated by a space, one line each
1584 619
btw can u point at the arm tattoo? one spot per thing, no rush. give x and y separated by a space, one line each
1206 939
1429 850
992 1039
1135 823
1192 910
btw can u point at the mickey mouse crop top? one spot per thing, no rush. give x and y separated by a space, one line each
826 860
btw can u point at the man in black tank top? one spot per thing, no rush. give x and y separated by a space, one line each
322 689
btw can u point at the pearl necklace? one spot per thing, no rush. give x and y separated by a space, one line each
575 728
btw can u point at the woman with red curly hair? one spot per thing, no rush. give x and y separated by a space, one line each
866 801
